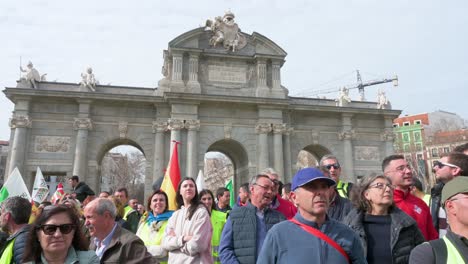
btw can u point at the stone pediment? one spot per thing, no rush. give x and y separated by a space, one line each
220 59
199 39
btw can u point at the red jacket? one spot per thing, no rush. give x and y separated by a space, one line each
418 210
284 206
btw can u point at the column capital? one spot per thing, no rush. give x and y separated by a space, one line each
347 135
279 128
192 125
289 131
175 124
387 136
159 126
83 123
20 121
263 128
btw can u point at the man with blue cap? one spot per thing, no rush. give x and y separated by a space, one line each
311 236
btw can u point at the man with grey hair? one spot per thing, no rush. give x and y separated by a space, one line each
330 164
111 242
279 204
247 226
14 219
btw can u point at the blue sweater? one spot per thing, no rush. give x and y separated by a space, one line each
286 242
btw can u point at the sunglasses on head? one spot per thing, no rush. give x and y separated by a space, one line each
334 166
440 165
51 229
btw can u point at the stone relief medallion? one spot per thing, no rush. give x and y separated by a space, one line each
51 144
367 153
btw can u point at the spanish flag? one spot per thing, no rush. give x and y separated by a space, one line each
172 178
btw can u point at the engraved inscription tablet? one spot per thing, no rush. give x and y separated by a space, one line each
231 74
52 144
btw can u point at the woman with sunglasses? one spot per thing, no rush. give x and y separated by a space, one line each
188 232
153 225
55 237
387 234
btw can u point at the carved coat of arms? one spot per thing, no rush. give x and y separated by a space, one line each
226 32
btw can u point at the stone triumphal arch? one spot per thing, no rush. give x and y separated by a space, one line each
221 91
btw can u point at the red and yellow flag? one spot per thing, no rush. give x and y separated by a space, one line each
172 178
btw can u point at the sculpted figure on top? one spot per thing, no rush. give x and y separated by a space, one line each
88 80
226 32
32 75
382 101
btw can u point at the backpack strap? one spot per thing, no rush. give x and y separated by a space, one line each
439 249
324 237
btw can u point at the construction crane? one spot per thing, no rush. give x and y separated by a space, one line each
360 86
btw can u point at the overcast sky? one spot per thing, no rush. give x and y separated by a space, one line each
424 42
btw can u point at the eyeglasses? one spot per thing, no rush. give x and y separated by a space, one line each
440 164
266 188
51 229
334 166
275 182
381 186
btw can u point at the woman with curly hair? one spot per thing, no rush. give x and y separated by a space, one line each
387 234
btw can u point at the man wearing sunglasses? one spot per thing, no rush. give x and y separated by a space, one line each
453 247
331 164
449 166
14 219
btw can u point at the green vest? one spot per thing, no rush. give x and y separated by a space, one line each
150 238
342 188
218 219
453 256
7 256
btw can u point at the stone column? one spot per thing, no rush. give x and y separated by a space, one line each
177 67
262 130
287 155
388 136
158 159
192 142
82 124
346 135
261 73
175 125
278 130
276 75
20 124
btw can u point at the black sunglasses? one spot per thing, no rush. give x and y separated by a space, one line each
51 229
334 165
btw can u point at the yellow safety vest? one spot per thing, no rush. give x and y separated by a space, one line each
342 188
7 255
127 210
149 237
218 219
453 256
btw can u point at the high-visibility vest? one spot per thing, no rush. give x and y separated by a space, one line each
127 210
149 237
342 188
453 256
218 219
7 255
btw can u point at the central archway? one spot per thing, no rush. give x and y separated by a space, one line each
237 154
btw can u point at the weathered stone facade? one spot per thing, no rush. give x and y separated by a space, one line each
211 99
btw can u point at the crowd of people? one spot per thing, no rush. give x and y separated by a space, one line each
316 218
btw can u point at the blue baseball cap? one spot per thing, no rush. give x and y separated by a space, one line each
308 175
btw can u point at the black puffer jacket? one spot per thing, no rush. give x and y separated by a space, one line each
436 197
405 234
82 191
